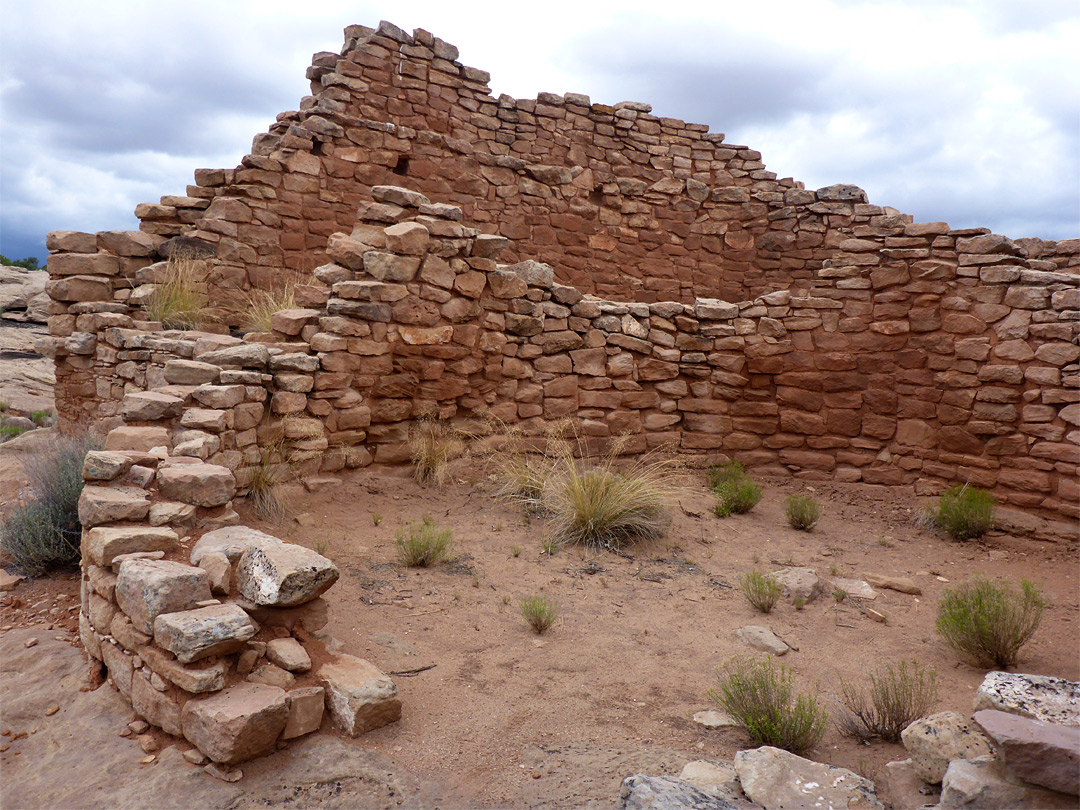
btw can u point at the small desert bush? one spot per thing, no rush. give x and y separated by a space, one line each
43 418
802 512
539 612
267 476
735 493
965 512
43 531
600 503
432 445
180 300
760 590
423 545
9 432
262 305
989 623
896 698
760 695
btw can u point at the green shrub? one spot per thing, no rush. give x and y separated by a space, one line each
539 612
989 623
802 512
43 418
965 512
735 492
424 545
760 696
43 532
760 590
9 432
897 697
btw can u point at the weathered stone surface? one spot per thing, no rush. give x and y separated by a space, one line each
105 543
778 779
283 575
710 718
124 632
799 583
853 587
219 569
640 792
982 784
306 707
1040 697
1042 753
208 676
203 632
145 589
288 654
247 355
157 708
236 724
900 584
150 406
171 513
717 779
761 638
190 372
198 484
359 696
141 439
273 675
232 541
934 741
103 465
99 505
902 789
312 616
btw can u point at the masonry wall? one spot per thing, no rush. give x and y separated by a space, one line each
891 368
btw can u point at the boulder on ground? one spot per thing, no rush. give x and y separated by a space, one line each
236 724
935 741
306 706
359 696
1040 697
1044 754
283 575
981 784
762 638
799 583
776 779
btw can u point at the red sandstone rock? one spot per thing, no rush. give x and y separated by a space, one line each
236 724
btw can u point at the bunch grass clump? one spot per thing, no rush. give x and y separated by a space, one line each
989 623
540 612
735 493
760 695
43 531
896 698
181 300
761 590
433 445
423 545
964 512
267 476
802 512
262 305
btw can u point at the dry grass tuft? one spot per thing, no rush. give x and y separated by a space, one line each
262 305
181 300
760 590
897 697
423 545
539 612
433 445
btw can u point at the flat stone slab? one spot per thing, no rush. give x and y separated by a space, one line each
232 541
710 718
778 779
104 544
236 724
359 696
761 638
799 583
199 484
1040 697
853 587
641 792
208 676
306 708
150 406
194 634
935 741
899 584
288 653
98 505
1042 753
983 783
145 589
283 575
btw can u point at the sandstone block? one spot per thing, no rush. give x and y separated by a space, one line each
191 635
774 778
105 543
934 741
157 708
1042 753
390 267
150 406
273 675
190 372
1039 697
306 707
79 288
208 419
124 632
288 654
312 616
198 484
359 696
283 575
99 505
901 584
231 541
140 439
102 465
120 666
799 583
236 724
101 612
170 513
292 321
219 397
208 676
145 589
761 638
408 238
984 784
219 569
246 355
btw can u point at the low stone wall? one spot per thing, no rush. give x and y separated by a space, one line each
895 366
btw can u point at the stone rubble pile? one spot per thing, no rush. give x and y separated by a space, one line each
217 640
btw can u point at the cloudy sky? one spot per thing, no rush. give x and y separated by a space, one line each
966 111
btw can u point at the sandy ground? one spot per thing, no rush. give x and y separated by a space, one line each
496 716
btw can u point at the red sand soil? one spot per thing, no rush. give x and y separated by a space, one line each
505 717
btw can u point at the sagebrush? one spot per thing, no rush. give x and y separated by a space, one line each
802 512
539 612
897 697
760 696
964 512
760 590
424 544
988 622
736 493
43 531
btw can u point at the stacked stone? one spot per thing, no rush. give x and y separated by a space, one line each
216 647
